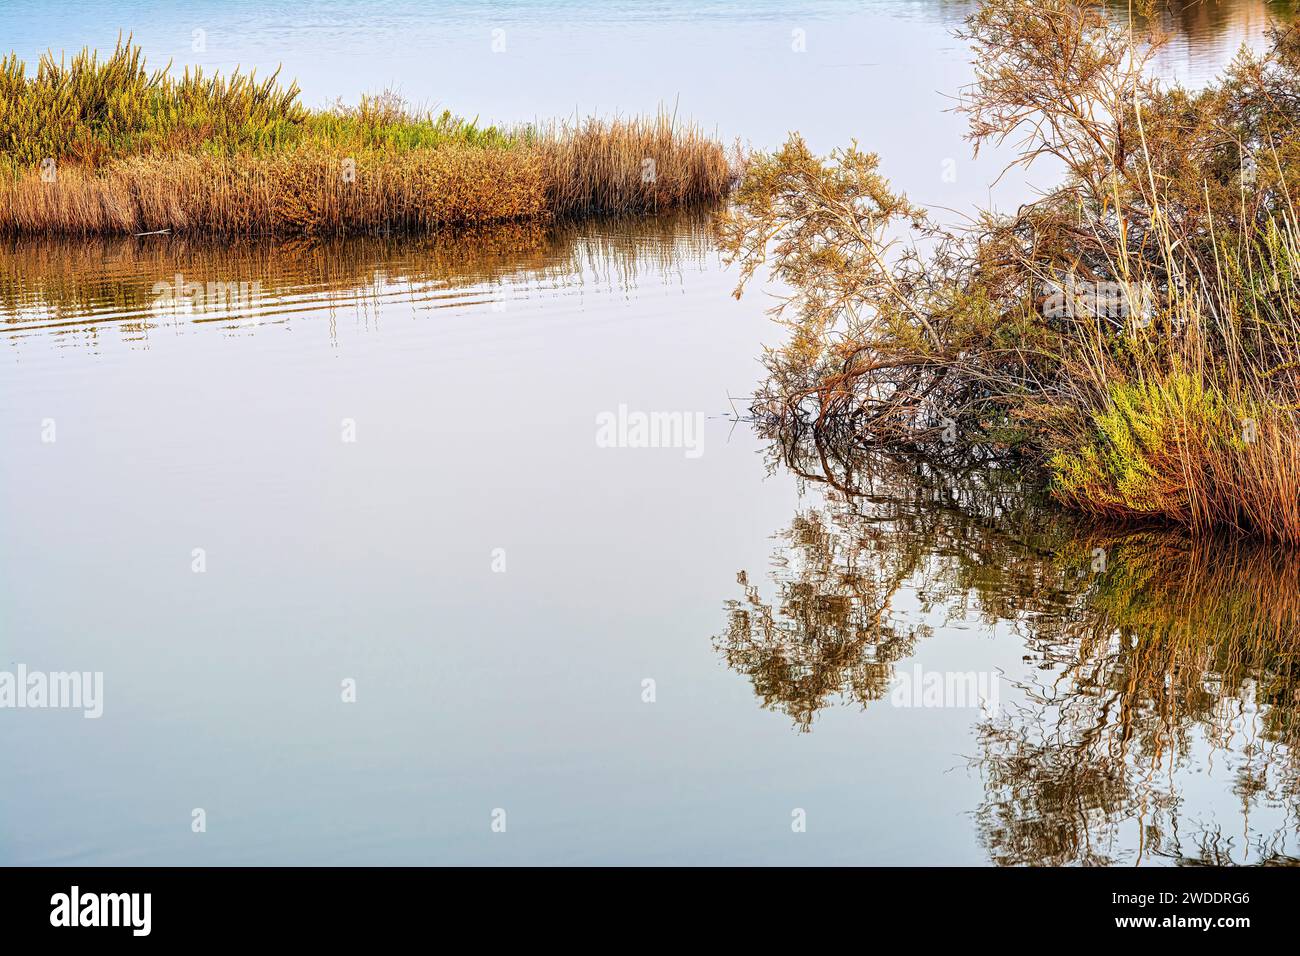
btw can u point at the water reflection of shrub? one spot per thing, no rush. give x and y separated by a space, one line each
1154 652
1163 659
825 636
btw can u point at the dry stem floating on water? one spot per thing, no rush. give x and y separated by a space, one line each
1135 331
92 146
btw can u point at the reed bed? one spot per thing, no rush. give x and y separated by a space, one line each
104 146
627 165
300 191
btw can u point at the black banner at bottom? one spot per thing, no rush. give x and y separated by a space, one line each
372 905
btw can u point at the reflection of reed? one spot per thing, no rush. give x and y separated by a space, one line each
1163 653
63 282
1192 619
1206 19
1198 21
1153 652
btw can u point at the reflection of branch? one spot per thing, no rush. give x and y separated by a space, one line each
1213 848
1150 644
826 634
1170 638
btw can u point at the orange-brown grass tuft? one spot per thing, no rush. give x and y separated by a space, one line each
303 191
620 167
626 165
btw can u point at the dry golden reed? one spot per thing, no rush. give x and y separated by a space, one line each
303 191
629 165
105 147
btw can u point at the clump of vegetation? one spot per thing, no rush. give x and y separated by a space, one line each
1135 332
106 146
87 111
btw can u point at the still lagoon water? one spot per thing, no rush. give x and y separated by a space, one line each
362 581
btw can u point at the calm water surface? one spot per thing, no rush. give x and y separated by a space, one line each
500 588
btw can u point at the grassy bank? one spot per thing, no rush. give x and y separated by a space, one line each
1134 332
106 146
